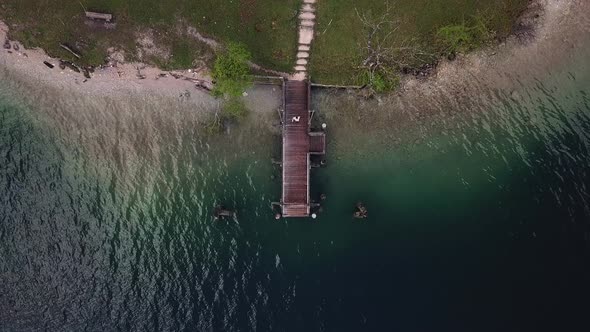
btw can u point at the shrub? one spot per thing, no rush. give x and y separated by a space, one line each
231 71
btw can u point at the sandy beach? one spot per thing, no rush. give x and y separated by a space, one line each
121 79
110 80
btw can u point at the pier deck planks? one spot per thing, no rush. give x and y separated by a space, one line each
296 144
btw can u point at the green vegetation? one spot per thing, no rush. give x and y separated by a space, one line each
182 55
234 108
231 71
383 83
457 37
266 27
232 76
378 81
404 35
463 38
357 41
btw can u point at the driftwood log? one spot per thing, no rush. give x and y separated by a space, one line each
99 16
202 84
63 64
100 20
67 48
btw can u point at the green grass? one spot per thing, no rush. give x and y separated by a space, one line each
428 25
182 56
268 30
266 27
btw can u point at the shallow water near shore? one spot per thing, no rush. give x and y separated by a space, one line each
479 216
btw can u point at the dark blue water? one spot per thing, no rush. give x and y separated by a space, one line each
479 218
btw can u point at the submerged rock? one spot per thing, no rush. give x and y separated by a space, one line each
361 211
221 212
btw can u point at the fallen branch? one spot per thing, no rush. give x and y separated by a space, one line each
67 48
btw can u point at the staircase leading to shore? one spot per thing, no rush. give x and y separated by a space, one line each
306 33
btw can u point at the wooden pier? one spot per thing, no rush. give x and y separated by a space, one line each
298 144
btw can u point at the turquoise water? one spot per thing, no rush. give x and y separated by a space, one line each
478 218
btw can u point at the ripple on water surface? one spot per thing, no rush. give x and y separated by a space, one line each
478 212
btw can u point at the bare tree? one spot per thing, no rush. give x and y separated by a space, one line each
385 51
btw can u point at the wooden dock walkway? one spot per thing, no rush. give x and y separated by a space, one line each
297 147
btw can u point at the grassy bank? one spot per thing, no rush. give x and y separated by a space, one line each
266 27
422 31
405 34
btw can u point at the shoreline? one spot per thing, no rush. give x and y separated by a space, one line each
546 25
464 89
120 78
117 78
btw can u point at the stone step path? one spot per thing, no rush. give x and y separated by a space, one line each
306 33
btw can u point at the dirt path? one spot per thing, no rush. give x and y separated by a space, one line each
306 34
